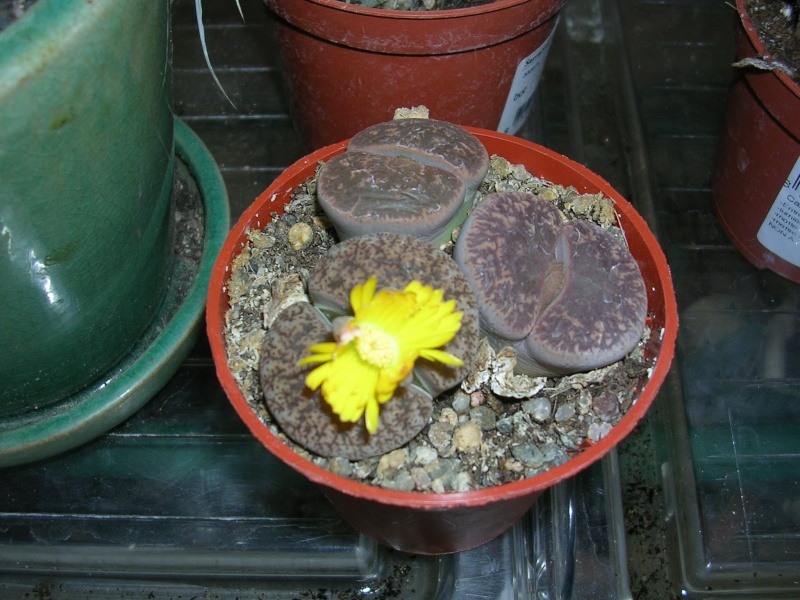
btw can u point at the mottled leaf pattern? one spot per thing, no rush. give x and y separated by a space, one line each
305 417
567 296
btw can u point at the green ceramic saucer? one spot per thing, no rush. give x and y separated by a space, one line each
156 356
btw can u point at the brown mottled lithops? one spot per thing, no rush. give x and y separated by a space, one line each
410 176
305 417
302 414
568 296
362 193
506 249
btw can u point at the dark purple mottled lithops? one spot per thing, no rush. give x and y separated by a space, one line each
395 260
410 176
567 296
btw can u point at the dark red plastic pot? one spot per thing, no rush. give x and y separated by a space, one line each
430 523
349 67
756 187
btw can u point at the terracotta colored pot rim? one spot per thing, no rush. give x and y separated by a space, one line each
441 501
758 45
414 33
419 15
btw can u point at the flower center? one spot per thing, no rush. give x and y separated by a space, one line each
375 346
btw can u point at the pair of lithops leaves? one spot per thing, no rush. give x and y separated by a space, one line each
566 295
395 260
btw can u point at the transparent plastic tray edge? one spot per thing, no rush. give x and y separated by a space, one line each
694 575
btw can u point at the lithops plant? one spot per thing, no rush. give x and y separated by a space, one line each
567 295
431 142
410 176
338 321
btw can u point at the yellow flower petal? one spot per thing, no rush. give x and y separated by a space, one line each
442 357
362 294
376 349
316 377
349 385
371 416
324 352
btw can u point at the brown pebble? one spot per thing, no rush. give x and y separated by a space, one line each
606 405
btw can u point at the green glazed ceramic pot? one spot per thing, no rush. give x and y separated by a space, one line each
86 166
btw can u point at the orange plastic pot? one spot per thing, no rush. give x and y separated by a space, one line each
756 186
430 523
349 67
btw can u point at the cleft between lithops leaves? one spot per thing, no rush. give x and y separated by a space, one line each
411 176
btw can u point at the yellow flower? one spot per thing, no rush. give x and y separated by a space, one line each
377 347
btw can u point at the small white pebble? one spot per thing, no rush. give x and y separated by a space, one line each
467 438
422 481
300 235
393 460
519 172
597 431
565 412
440 436
449 416
437 485
341 466
362 470
549 194
538 408
584 402
461 401
425 455
462 482
514 466
414 112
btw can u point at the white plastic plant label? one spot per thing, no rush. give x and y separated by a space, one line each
526 80
780 231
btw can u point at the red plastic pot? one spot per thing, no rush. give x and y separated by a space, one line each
756 186
430 523
349 67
